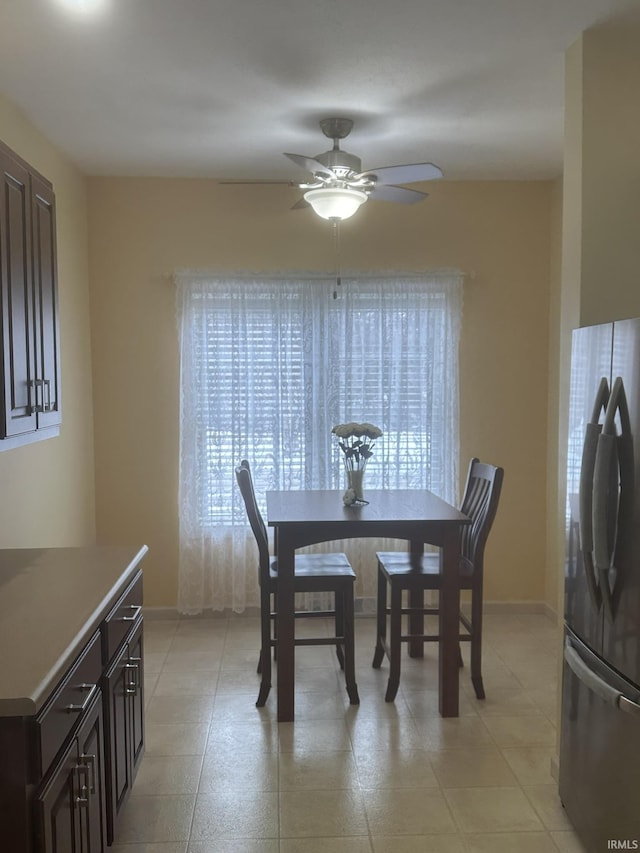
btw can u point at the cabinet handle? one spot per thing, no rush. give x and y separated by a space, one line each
133 668
80 708
136 608
82 799
90 762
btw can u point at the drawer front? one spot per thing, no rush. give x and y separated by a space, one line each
63 710
122 618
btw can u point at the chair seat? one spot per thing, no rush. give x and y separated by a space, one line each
325 566
399 563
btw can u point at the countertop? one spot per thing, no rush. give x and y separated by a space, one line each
51 602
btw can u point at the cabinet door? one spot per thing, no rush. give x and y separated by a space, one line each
91 756
45 296
58 819
18 356
70 808
124 703
136 680
119 770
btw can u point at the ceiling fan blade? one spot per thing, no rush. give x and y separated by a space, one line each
300 204
232 181
398 194
409 174
311 165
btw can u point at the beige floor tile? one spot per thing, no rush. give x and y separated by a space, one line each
454 733
232 770
304 736
235 845
419 844
170 847
164 775
383 733
511 842
176 683
568 842
179 709
546 801
478 810
475 768
176 738
155 819
314 814
401 768
233 737
353 844
233 678
313 705
317 770
506 702
521 731
375 778
398 811
235 814
532 764
424 704
154 661
194 659
240 706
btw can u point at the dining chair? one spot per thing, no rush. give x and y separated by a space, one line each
397 570
330 573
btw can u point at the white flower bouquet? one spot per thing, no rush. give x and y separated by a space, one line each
357 442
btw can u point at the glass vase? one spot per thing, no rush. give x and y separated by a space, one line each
354 481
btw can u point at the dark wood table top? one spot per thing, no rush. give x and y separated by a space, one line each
385 505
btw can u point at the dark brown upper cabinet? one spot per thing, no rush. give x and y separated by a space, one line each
30 357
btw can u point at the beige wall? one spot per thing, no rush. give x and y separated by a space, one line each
143 229
610 193
47 496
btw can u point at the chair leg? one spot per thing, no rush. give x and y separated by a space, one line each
340 625
349 644
264 662
476 642
395 644
460 661
381 620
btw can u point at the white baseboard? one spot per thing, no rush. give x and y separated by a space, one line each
363 607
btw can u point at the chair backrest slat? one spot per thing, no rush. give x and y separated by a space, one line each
245 482
480 503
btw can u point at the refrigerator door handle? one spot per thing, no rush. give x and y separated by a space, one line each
589 678
612 484
628 706
585 501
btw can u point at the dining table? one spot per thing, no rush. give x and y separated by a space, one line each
305 517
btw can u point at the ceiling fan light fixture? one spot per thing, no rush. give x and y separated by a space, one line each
335 202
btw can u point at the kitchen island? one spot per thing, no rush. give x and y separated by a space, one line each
71 694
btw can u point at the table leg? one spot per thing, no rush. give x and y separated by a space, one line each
416 600
285 627
449 627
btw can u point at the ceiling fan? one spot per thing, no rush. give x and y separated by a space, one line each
338 186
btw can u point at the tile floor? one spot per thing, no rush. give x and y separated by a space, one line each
221 776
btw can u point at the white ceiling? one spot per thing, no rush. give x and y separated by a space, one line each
219 88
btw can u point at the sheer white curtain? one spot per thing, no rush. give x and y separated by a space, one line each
267 367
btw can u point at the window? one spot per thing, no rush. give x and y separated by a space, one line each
267 369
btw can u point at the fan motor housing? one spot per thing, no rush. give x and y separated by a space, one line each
340 162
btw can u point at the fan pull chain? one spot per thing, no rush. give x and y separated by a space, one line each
336 245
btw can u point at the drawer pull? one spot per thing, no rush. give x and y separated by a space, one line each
90 762
79 708
82 799
132 684
136 608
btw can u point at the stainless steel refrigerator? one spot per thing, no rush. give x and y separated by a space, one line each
600 734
